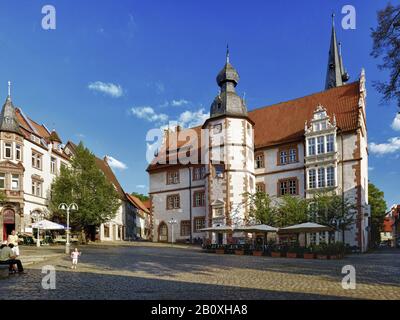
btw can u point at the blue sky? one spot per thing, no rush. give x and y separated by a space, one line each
112 70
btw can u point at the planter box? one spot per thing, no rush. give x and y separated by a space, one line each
322 257
275 254
336 257
291 255
257 253
220 251
308 256
239 252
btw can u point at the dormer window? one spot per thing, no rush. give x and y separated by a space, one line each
320 115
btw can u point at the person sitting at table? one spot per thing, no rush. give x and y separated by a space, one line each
7 257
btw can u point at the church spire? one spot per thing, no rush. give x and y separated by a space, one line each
336 74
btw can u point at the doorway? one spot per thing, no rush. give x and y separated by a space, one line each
163 232
220 238
8 222
8 228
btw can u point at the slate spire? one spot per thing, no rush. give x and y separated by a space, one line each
228 102
8 118
336 74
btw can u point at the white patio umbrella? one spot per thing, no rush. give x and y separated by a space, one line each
262 228
307 227
218 229
47 225
258 228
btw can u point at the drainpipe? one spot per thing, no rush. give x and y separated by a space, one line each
343 229
190 204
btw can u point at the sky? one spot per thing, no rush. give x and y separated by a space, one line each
112 70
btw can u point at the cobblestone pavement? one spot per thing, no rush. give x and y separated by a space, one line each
145 271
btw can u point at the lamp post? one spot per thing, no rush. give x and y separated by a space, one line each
338 222
172 222
63 206
38 216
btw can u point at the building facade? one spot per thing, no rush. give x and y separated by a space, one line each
313 144
122 226
30 158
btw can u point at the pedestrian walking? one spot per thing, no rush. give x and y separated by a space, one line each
75 256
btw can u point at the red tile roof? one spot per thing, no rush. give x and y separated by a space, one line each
284 122
137 202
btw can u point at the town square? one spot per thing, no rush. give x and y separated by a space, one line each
185 151
160 272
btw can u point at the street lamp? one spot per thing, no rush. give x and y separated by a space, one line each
172 222
67 208
338 222
38 216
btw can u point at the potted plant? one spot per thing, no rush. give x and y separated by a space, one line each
239 250
258 251
308 253
275 251
322 251
292 252
220 249
336 251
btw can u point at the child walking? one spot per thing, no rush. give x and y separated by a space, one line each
74 256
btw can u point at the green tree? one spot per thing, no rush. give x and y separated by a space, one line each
87 186
141 196
332 210
291 210
261 208
386 38
378 210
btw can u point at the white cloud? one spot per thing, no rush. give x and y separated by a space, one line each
111 89
371 168
148 113
116 164
192 119
179 103
396 122
392 146
141 186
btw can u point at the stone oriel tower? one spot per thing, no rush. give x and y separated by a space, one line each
229 154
